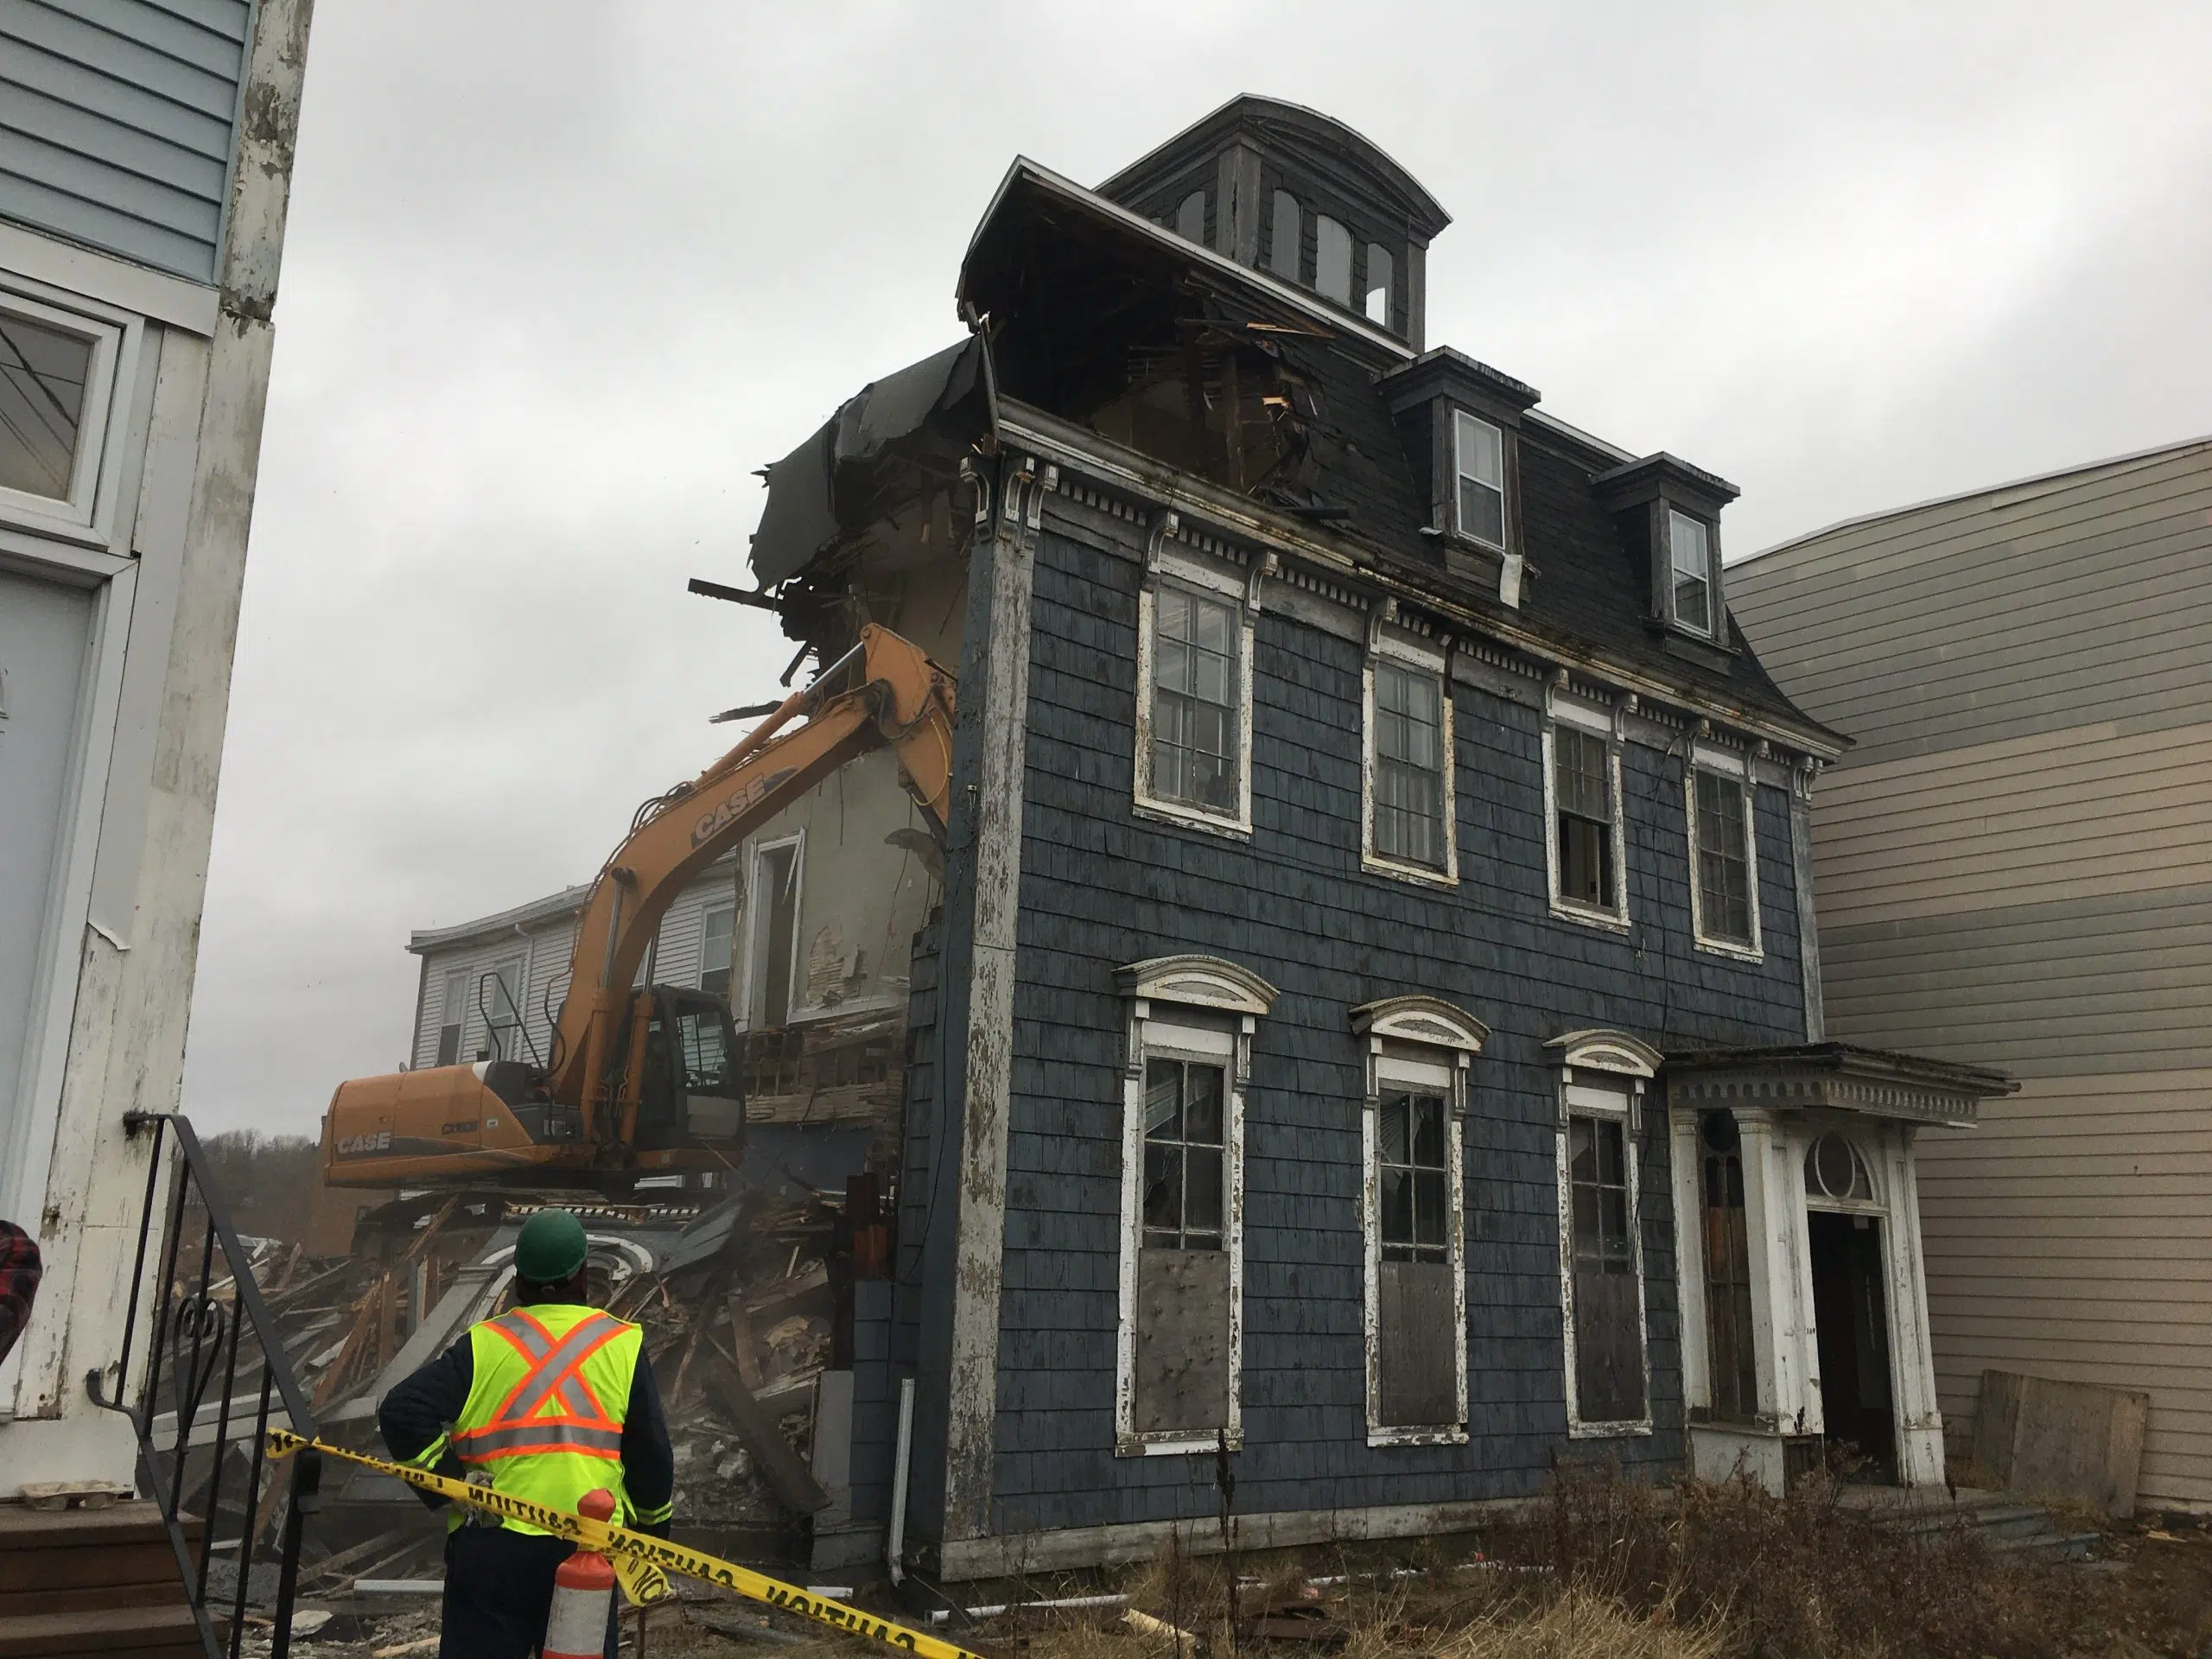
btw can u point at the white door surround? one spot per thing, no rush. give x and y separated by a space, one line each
1781 1102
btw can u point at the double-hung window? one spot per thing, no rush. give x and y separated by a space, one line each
1586 850
453 1014
1723 856
1178 1348
61 374
1409 783
1689 548
1602 1264
1194 716
1478 465
716 929
1418 1055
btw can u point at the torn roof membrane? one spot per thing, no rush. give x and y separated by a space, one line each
865 458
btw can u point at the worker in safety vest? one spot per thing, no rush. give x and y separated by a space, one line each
543 1403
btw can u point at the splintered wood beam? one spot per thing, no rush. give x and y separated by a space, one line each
791 1480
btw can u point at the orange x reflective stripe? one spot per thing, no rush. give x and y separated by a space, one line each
582 1425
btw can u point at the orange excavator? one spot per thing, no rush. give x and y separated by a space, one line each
645 1081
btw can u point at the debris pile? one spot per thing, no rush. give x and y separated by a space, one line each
738 1291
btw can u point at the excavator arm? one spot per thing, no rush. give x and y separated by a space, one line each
900 698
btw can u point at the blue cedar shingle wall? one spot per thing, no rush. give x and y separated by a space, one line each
117 123
1102 887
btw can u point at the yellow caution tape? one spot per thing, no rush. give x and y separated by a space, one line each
642 1562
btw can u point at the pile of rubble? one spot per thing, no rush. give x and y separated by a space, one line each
738 1296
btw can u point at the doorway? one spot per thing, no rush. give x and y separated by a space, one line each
1851 1311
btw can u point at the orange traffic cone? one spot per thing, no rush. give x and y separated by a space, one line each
583 1590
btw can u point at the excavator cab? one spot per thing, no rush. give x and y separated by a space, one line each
691 1091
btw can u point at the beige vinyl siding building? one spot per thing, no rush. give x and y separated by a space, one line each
2014 867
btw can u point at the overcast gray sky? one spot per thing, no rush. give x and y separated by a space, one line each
561 276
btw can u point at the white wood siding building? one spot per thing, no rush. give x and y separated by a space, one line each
145 170
2014 867
851 904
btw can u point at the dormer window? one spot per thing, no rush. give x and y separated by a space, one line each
1190 217
1690 548
1332 261
1478 463
1378 284
1668 514
1282 238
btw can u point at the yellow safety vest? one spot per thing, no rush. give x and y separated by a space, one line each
544 1419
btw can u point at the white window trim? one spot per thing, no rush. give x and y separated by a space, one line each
1424 1042
1168 1000
1726 763
85 516
1621 1065
1504 473
1667 511
1170 565
753 919
714 907
1420 655
1604 724
1870 1162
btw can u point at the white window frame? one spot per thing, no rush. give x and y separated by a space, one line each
1187 1007
1737 768
728 906
1669 513
1603 724
1423 657
85 515
1418 1042
1603 1074
755 918
1171 568
1459 471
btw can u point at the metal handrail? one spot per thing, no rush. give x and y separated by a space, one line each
215 1333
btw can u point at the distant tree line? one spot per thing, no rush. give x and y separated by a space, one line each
269 1181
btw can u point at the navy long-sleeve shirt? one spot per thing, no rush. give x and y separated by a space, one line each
422 1407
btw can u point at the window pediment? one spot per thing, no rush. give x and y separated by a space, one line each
1599 1050
1197 982
1426 1019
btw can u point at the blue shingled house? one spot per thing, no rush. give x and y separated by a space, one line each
1371 1023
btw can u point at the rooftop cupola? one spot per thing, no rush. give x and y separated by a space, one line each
1290 192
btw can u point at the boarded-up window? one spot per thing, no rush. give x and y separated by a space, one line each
1605 1296
1417 1321
1582 784
1183 1290
1734 1363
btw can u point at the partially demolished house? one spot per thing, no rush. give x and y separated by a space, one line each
1371 1027
1360 1019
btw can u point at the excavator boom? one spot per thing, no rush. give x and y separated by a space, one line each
579 1118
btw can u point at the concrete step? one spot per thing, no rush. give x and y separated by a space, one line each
140 1632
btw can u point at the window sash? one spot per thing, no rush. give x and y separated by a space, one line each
1723 859
1332 260
1607 1266
1183 1201
1407 784
1582 792
1413 1176
1690 549
1478 463
46 392
1196 702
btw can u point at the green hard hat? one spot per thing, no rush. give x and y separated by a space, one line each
551 1247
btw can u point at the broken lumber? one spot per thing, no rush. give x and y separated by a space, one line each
790 1479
